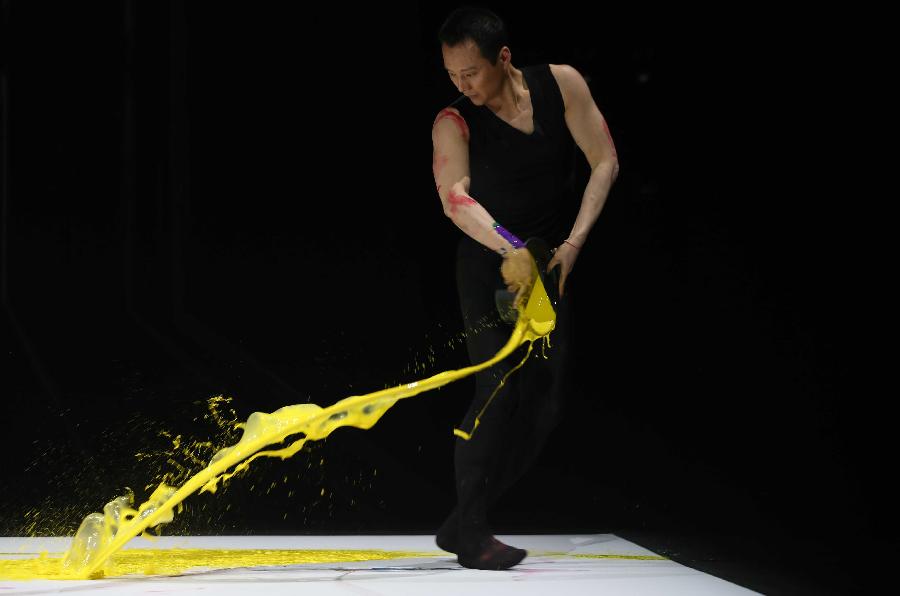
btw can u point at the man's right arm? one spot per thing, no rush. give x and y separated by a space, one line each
450 164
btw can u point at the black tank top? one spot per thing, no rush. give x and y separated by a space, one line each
524 181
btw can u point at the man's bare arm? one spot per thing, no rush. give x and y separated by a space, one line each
450 165
589 129
590 132
450 138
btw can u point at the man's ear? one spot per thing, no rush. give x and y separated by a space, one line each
505 55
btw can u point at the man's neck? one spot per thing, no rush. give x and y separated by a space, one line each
514 88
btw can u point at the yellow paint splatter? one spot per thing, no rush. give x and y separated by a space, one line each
103 534
176 561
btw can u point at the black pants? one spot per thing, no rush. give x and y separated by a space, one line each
516 424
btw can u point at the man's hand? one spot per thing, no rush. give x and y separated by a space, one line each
564 256
517 272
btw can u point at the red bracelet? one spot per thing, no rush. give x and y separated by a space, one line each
570 244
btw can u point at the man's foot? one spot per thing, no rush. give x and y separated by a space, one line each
447 537
493 555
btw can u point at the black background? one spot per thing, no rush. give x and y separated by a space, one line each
229 198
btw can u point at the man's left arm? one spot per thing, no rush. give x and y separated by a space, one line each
588 128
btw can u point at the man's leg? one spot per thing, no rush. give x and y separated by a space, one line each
544 386
476 459
541 388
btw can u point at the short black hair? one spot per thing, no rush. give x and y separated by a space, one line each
482 26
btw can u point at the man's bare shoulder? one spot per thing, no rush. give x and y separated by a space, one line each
571 82
449 122
565 73
445 111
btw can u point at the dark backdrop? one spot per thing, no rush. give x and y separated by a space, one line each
215 198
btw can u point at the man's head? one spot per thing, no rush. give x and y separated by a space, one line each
479 25
473 44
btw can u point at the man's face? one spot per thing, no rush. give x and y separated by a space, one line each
472 73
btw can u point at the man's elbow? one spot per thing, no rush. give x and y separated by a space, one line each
448 211
611 166
456 196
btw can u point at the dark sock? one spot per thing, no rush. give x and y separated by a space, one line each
447 537
489 553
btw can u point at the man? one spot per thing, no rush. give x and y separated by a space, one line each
503 170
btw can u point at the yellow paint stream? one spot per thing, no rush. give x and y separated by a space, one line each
103 534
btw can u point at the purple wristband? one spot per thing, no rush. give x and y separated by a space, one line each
510 237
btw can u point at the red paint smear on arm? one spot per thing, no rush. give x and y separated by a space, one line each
460 122
457 200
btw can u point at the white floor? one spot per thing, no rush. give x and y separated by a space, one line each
550 569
